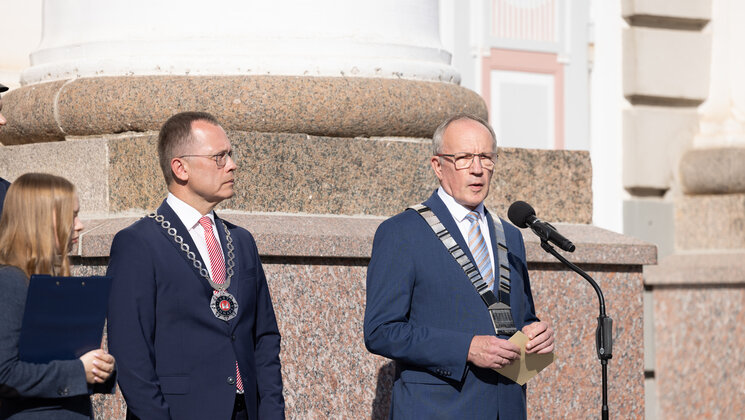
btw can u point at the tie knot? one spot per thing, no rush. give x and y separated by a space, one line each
472 217
206 222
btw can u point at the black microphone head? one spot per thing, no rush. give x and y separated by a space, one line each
519 212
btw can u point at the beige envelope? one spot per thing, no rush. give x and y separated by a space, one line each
529 364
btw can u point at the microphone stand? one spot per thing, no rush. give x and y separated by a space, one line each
604 332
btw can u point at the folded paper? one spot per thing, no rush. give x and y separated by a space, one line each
521 371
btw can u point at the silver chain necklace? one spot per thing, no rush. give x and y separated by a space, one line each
223 304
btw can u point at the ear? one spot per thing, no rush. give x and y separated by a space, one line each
180 169
436 166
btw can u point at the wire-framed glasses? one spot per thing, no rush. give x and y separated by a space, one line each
465 160
220 158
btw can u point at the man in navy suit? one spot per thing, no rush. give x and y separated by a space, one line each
191 322
423 311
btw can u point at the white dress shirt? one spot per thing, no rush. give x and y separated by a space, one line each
459 213
189 216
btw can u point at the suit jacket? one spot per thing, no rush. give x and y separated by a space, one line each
422 312
55 390
175 358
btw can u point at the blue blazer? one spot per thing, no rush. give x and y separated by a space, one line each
422 312
175 358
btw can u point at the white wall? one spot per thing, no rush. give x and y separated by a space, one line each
576 86
20 33
460 26
606 105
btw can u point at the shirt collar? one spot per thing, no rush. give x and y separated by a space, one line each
188 215
456 209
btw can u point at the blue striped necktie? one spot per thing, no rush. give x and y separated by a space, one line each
479 250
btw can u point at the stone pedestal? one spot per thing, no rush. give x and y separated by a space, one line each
699 290
699 334
316 267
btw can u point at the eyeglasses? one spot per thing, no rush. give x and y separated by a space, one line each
465 160
220 159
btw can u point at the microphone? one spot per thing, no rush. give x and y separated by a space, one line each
522 215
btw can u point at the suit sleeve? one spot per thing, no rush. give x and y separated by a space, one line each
388 331
266 354
59 378
131 325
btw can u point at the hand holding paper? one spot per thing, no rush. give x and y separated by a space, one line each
541 336
488 351
529 364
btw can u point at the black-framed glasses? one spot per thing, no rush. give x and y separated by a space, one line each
465 160
220 159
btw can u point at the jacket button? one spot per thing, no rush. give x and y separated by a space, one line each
232 337
231 380
63 391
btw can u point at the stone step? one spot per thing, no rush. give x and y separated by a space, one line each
288 235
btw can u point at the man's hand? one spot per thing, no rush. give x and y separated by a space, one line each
541 336
488 351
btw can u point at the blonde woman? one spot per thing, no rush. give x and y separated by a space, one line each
38 227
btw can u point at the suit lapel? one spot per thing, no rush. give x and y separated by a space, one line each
235 285
167 212
221 228
441 211
493 240
497 270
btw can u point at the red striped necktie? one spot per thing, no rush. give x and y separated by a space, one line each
217 264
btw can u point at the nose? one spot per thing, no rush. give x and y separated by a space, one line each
476 167
2 120
78 224
230 164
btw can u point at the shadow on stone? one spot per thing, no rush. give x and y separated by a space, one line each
382 402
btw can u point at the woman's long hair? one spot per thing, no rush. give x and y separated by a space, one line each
36 206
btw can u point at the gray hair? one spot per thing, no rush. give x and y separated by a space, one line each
440 131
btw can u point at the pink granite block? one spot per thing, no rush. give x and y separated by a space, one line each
571 387
316 268
329 374
326 370
699 339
